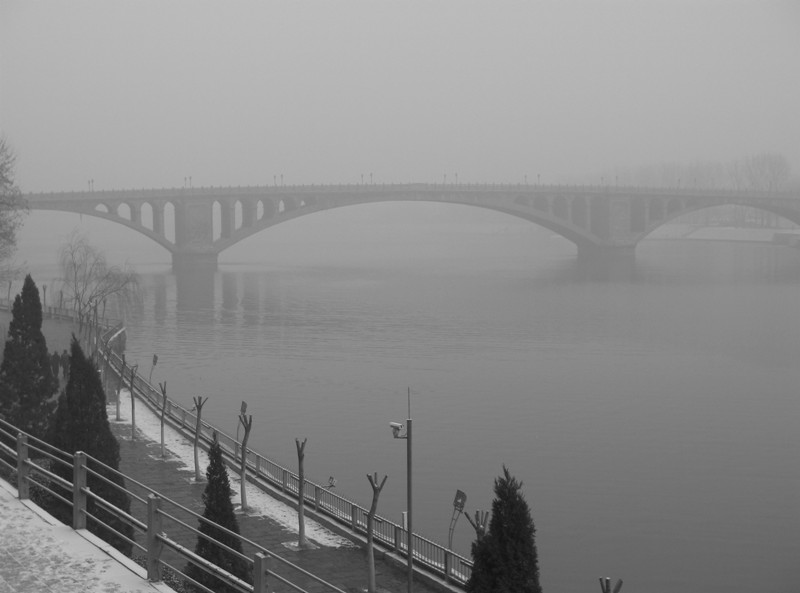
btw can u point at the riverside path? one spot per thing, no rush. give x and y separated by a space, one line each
39 554
344 566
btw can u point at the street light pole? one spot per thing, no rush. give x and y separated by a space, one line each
396 427
410 514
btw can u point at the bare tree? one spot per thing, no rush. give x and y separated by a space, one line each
12 206
767 171
90 282
376 492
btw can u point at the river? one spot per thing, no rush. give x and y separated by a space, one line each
651 417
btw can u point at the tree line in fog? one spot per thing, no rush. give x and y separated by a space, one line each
765 171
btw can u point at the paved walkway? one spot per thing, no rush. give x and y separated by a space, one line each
345 567
38 554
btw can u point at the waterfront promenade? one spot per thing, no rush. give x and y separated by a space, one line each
335 559
38 554
28 532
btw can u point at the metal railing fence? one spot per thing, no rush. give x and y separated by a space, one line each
429 556
166 526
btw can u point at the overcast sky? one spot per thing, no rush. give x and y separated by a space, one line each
143 94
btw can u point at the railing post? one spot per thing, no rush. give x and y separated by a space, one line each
183 419
317 494
354 516
258 465
154 544
23 471
284 480
261 564
78 494
397 535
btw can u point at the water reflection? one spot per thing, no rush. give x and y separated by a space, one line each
668 384
195 290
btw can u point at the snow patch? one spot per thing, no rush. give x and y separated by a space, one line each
177 448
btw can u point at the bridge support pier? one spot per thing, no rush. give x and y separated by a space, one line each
194 280
603 262
189 262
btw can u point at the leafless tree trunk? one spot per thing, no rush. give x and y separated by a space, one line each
199 402
376 492
119 385
302 542
133 403
163 387
247 424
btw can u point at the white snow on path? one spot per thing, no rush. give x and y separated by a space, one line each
259 503
39 554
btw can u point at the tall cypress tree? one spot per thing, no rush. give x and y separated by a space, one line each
27 384
505 559
81 424
219 509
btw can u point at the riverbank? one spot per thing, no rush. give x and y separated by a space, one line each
267 521
710 233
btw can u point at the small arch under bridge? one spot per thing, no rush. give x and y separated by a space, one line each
602 221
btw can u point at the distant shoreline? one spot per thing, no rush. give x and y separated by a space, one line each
701 233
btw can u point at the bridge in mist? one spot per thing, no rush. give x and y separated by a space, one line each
196 224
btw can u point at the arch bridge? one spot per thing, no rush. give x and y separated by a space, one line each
196 224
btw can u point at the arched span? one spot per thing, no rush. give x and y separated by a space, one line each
789 214
112 216
594 218
286 210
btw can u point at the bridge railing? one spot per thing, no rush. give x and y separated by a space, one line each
164 527
435 186
429 556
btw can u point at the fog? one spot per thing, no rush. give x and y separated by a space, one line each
146 94
651 420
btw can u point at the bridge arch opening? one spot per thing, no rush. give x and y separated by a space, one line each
146 216
169 222
561 207
101 208
580 212
398 230
124 211
216 221
259 210
238 219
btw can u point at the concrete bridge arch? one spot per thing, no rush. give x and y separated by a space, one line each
195 225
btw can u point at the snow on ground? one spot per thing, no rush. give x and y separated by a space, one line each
259 503
42 555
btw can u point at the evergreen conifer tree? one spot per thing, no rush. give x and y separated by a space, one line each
505 559
27 384
219 509
81 424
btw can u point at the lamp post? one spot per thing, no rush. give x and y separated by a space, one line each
458 508
396 428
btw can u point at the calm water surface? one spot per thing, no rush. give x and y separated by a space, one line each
653 419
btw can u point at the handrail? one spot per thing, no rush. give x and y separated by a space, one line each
27 472
428 555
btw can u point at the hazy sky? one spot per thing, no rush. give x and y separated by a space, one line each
143 94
